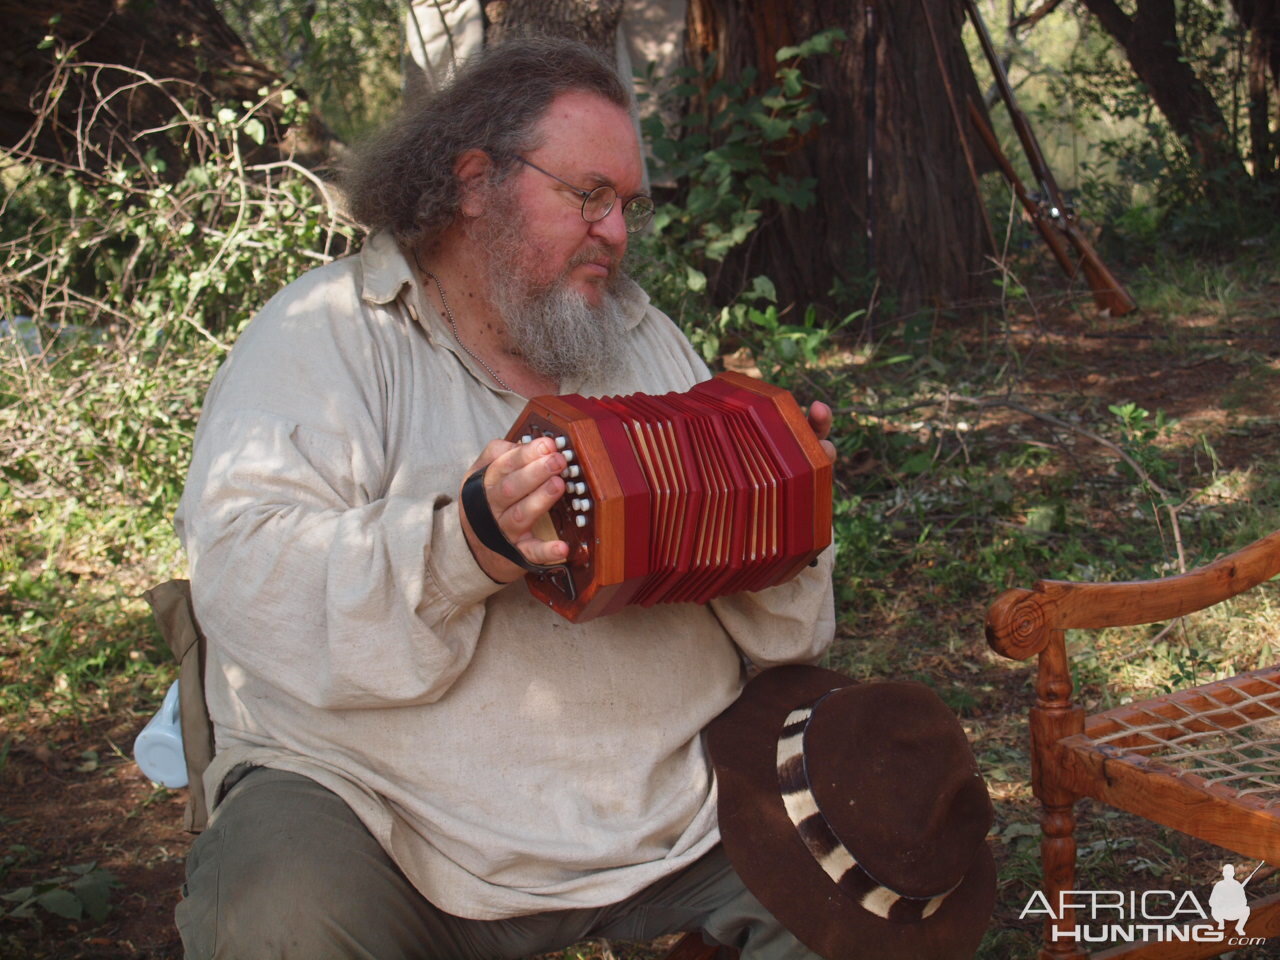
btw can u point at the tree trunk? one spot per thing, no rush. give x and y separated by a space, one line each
114 49
594 22
1261 147
1262 19
1150 41
897 204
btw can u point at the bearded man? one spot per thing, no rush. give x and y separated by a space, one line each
415 758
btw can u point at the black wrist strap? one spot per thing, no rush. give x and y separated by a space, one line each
475 504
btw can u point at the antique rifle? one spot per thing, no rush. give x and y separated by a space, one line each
1053 216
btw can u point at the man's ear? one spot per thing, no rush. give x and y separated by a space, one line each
472 169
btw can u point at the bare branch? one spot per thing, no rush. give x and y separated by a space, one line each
1036 15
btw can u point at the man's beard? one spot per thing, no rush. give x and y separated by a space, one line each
553 328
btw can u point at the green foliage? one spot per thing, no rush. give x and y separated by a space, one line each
1141 434
780 349
72 630
346 55
722 163
865 551
82 890
1136 160
122 288
132 279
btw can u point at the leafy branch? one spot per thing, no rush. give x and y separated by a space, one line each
79 891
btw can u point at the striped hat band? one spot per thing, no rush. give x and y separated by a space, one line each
835 859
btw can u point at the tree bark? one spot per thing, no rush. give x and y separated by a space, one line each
594 22
1150 41
898 207
96 117
1262 19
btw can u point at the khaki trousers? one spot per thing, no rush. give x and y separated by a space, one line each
287 871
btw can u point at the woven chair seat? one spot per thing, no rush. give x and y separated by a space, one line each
1223 735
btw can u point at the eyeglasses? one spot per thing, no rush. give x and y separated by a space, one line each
597 203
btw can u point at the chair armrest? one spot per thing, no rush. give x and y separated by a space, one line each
1019 622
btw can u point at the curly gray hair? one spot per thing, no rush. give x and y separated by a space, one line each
402 179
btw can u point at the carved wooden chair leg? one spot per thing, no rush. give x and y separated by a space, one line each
1055 716
1058 857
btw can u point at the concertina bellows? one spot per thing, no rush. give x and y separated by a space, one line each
679 498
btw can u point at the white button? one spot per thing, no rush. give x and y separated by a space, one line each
561 442
575 503
568 455
526 439
586 505
579 488
580 520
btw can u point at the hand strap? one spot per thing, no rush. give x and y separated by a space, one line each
475 504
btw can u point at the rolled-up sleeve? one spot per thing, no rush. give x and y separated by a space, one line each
793 622
341 603
312 565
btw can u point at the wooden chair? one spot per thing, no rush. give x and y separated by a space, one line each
1204 761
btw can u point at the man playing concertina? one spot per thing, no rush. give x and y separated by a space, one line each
416 758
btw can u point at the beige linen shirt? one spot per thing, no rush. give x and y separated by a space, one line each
509 761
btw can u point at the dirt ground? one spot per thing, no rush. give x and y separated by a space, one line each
65 814
57 810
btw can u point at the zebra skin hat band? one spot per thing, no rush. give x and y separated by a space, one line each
856 814
836 860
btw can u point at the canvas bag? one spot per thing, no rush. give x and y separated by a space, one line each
171 604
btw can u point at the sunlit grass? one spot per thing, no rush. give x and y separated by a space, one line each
75 633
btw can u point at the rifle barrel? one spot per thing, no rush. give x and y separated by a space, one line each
1107 291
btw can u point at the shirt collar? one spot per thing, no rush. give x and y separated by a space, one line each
386 271
635 302
389 276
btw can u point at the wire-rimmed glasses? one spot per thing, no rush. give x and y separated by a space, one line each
637 211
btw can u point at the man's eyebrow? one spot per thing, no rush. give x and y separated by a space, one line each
600 180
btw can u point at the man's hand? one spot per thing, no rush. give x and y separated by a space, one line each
522 483
820 421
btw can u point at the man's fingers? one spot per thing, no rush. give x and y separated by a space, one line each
503 456
820 419
523 513
530 472
491 452
543 551
521 484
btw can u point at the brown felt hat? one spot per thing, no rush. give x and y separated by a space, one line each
856 814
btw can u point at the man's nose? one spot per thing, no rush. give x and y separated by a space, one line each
612 229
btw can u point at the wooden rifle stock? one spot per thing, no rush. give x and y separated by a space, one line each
1051 214
1056 240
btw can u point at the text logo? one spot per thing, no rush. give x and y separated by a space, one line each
1161 916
